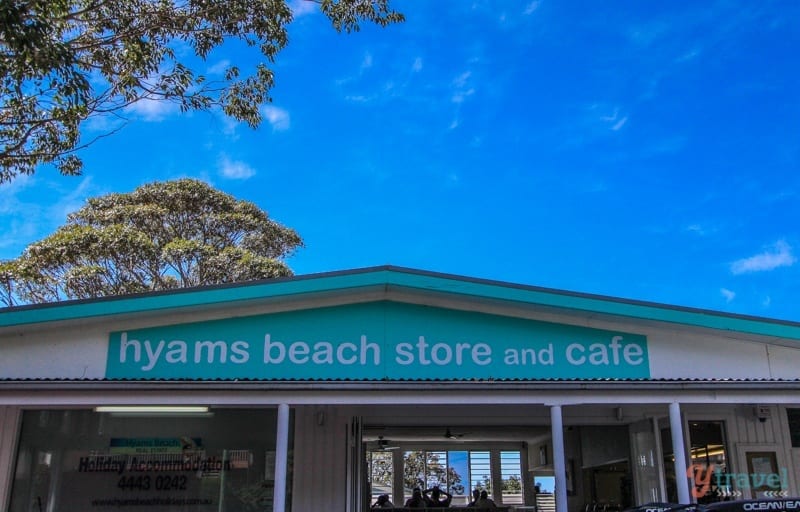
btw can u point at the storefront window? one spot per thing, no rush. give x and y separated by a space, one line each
480 471
381 470
708 455
427 469
511 471
221 460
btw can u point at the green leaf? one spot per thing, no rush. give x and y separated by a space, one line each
62 43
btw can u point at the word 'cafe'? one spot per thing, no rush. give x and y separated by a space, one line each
324 392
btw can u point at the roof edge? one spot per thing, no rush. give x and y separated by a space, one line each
421 280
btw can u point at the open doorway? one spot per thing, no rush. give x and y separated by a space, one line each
605 468
457 462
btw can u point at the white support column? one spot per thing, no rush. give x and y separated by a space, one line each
559 461
678 444
281 459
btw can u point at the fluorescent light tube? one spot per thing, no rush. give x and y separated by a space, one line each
152 409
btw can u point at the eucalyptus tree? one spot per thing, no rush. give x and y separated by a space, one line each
423 468
63 62
161 236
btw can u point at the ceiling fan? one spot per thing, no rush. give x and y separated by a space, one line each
449 434
384 445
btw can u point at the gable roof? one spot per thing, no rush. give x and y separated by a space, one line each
390 277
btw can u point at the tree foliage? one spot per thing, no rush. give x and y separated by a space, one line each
425 469
381 468
421 468
63 62
161 236
512 484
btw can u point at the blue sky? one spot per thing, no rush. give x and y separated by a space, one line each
645 150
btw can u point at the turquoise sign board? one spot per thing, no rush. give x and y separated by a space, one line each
376 341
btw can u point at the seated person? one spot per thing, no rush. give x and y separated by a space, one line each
485 502
438 498
417 500
476 495
383 502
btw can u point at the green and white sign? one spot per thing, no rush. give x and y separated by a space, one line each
376 341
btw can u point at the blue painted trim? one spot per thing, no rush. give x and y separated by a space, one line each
401 277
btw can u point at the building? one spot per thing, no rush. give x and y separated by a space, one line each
321 392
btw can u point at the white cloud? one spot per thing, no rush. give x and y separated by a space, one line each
460 96
102 123
302 7
531 7
27 220
277 117
366 63
229 126
219 68
234 169
779 255
416 67
696 229
461 89
619 124
358 98
9 202
224 124
152 110
615 120
728 294
690 55
17 228
461 80
73 200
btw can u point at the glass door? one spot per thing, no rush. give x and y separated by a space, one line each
647 468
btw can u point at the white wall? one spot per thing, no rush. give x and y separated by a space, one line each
678 355
320 459
784 362
55 354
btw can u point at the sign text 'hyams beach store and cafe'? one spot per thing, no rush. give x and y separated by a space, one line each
374 342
